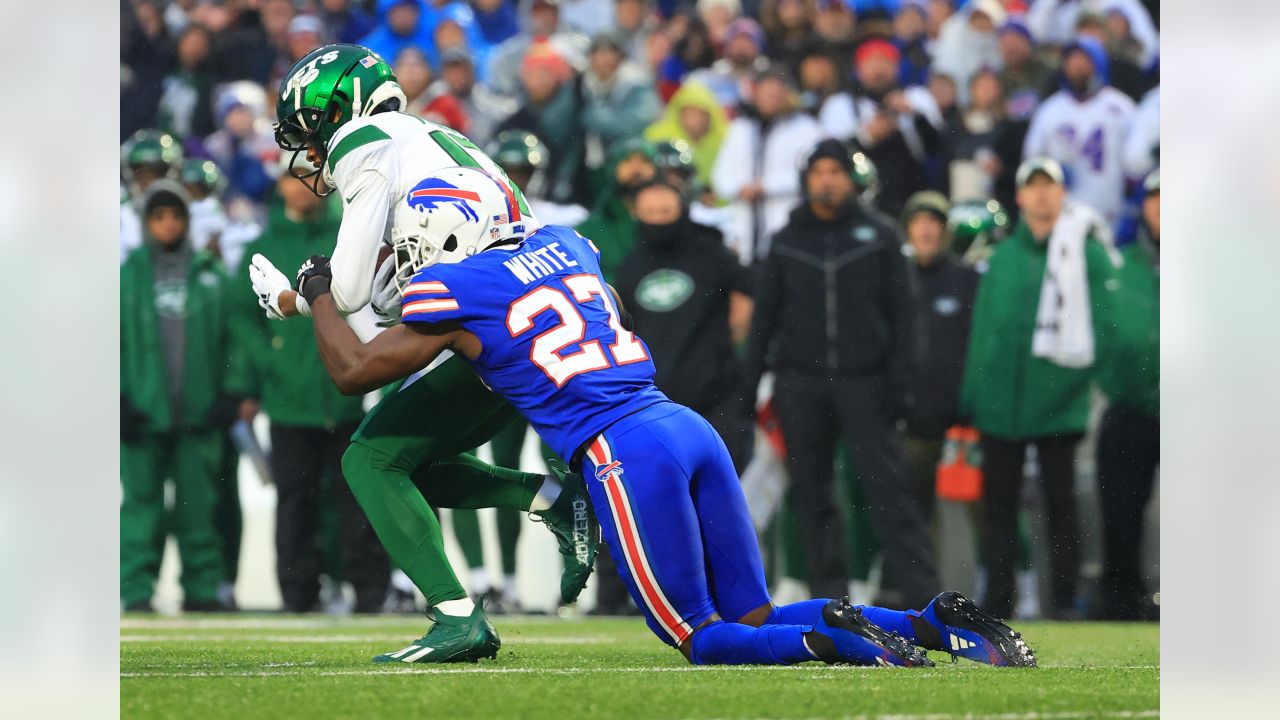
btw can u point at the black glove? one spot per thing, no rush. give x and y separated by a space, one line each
314 277
132 422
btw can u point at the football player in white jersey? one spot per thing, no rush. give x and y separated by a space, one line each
1084 126
340 106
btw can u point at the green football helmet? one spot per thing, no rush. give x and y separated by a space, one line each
866 178
325 90
975 227
201 173
523 157
149 148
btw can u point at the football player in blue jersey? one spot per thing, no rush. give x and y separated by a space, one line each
533 316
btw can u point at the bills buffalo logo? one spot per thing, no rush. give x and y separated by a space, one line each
604 471
433 193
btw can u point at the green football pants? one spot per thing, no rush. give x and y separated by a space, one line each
191 461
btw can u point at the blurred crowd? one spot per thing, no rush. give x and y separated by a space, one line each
903 254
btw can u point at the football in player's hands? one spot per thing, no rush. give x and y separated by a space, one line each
386 295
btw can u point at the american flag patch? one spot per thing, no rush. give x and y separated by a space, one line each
368 61
500 220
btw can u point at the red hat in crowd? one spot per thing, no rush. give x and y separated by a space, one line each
876 48
541 54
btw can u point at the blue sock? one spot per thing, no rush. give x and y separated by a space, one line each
725 643
806 612
892 620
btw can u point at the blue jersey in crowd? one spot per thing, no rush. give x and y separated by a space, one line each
552 341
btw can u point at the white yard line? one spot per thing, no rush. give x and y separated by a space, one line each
338 638
478 670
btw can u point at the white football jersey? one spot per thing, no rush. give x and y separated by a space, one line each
373 163
1088 139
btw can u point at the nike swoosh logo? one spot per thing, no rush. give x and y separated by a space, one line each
353 197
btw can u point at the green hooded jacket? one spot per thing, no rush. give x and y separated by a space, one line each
1131 374
286 372
1006 391
693 94
210 365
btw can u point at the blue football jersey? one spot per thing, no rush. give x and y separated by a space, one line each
553 345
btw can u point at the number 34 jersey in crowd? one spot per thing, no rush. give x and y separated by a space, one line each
553 344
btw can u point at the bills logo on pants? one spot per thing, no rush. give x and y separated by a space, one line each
609 472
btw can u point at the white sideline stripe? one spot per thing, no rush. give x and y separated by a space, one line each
338 638
798 669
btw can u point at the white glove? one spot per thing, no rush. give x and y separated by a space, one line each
268 283
386 296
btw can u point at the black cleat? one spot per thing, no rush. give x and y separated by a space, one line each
955 624
844 635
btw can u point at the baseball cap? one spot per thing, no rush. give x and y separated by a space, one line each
930 201
305 24
876 47
745 26
1039 165
991 8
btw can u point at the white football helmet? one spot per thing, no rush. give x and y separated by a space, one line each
451 215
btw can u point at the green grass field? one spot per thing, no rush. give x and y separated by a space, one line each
254 666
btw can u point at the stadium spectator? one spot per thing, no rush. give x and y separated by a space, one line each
968 150
148 156
898 127
717 15
823 96
834 27
1129 441
400 23
611 225
202 180
618 99
731 76
345 21
185 107
943 292
145 59
691 302
176 391
244 146
413 72
310 420
544 28
1043 323
967 42
483 108
496 20
788 29
693 51
550 109
755 171
1055 22
1142 148
589 17
1122 72
1027 78
911 35
939 12
1084 127
696 117
834 307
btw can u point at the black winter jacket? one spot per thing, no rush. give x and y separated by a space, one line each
833 301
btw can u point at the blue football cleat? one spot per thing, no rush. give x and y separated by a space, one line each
953 623
843 635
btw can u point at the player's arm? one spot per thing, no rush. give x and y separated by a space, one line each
356 367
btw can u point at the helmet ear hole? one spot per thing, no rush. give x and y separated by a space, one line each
451 243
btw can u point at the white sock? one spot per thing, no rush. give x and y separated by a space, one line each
480 581
547 494
509 587
462 607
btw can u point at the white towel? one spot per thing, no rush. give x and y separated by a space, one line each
1064 318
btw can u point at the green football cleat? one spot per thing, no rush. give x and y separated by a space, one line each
451 639
573 522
